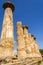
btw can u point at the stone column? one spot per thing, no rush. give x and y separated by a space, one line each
34 46
7 36
27 41
20 42
30 44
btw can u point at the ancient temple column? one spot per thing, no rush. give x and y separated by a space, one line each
27 44
7 36
20 42
34 46
30 44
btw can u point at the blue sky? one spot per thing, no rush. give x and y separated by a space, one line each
30 12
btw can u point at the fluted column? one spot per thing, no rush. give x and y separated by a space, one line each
7 36
20 41
30 44
34 46
27 40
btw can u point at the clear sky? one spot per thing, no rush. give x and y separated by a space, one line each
30 12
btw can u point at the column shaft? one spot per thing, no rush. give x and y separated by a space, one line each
7 36
30 44
20 41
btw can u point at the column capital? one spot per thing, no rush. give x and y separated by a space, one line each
8 4
33 37
25 27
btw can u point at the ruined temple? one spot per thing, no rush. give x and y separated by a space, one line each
27 47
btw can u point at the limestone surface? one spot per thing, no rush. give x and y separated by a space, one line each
7 36
27 47
20 41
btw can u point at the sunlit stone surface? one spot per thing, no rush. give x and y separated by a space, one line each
7 36
27 48
20 41
31 44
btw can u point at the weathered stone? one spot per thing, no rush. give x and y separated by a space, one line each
30 44
27 48
7 36
20 41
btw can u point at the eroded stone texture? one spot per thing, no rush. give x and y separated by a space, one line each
20 41
34 47
7 36
31 45
26 44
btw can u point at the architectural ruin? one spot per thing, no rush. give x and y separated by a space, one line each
7 36
20 41
27 48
